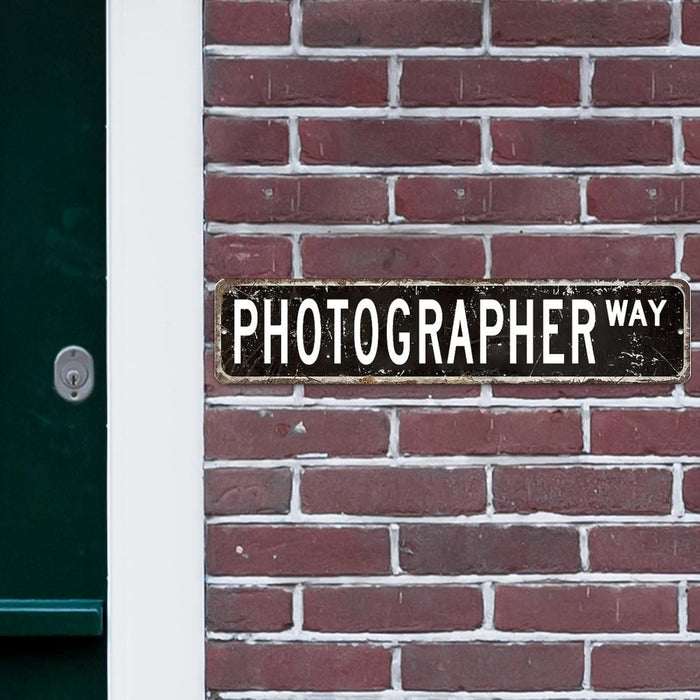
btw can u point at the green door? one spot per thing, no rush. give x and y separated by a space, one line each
52 282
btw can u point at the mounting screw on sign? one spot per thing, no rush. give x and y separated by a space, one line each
74 374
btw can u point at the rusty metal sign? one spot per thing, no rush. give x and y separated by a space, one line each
452 331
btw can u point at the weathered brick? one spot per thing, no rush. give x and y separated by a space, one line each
390 142
247 257
510 200
490 81
691 137
692 386
694 608
229 22
492 666
488 549
691 22
578 23
586 608
380 23
581 491
245 141
391 391
248 609
580 391
581 142
581 257
695 316
295 82
645 667
269 434
394 256
646 81
235 198
691 256
297 666
496 431
392 609
392 491
645 199
645 432
645 549
247 490
296 550
691 489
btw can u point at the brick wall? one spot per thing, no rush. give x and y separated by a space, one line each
403 542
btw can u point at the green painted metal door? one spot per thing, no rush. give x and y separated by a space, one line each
52 287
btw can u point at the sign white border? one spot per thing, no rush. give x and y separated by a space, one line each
155 548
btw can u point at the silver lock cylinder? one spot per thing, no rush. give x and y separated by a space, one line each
74 374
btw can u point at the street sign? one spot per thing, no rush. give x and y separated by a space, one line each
456 331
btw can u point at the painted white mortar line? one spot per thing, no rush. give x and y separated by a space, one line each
586 69
587 665
489 490
678 506
396 679
395 549
583 548
297 610
683 607
488 598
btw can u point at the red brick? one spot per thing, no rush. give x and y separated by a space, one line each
391 391
691 137
390 142
582 257
231 22
393 257
297 666
270 434
381 23
295 82
320 200
691 490
646 667
694 608
485 432
247 257
581 391
645 549
245 141
580 142
213 387
488 549
248 609
646 81
691 22
247 490
645 432
692 386
492 666
581 491
577 23
393 491
296 550
695 316
510 200
490 81
691 256
392 609
644 199
586 608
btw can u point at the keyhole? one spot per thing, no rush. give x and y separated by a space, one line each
73 377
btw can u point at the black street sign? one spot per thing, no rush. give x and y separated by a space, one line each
417 331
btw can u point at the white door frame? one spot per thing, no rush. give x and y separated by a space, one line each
155 350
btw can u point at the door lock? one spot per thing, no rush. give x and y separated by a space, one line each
74 374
